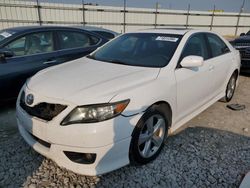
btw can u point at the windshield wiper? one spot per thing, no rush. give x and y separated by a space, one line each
115 61
91 57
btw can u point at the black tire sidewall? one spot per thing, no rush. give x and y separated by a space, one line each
134 155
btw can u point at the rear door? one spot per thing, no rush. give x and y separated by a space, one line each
193 84
32 52
74 44
220 61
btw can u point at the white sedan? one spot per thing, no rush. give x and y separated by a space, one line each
119 104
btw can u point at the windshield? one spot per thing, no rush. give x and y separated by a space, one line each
248 33
139 49
5 34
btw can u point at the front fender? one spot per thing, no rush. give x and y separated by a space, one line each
143 96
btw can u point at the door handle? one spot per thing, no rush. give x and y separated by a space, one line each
49 62
211 68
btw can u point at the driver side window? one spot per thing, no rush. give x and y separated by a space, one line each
30 44
196 45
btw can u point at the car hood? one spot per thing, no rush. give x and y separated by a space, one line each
245 38
87 81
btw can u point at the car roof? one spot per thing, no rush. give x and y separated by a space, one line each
34 27
92 28
176 31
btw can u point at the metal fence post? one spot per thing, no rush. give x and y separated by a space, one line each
124 15
38 12
212 19
188 11
83 13
239 15
156 12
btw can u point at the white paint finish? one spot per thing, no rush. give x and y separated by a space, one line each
192 62
98 82
188 91
246 181
193 89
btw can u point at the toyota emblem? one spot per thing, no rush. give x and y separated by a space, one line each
29 99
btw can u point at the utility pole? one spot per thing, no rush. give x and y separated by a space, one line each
238 20
124 15
188 11
38 12
156 12
83 13
212 19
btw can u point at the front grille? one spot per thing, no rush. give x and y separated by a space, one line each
45 111
242 44
245 54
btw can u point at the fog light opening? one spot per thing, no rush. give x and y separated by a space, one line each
81 158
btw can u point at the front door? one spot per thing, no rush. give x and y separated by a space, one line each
193 84
32 52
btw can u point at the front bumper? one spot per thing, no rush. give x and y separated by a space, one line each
245 58
109 140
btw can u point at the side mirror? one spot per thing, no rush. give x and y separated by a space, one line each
6 53
192 61
242 34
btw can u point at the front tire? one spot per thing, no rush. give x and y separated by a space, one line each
149 135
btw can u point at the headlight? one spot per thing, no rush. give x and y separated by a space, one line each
95 113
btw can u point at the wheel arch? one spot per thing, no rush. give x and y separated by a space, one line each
237 72
167 109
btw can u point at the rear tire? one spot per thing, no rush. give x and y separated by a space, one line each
149 135
231 86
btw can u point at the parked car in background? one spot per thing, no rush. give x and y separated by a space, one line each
27 50
117 105
101 31
243 45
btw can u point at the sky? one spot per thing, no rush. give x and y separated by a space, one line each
202 5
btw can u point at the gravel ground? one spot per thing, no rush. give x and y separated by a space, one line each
212 150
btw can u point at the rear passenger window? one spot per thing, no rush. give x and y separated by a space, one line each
218 47
69 39
196 45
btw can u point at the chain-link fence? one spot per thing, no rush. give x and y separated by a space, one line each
120 19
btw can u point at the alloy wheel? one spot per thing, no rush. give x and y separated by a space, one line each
151 136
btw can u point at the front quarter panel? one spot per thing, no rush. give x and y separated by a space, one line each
142 97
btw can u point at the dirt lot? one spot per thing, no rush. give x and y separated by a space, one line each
212 150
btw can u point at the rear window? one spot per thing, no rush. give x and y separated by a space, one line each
69 39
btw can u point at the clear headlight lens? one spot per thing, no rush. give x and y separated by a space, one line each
95 113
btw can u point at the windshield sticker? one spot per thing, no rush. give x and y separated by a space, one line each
5 34
168 39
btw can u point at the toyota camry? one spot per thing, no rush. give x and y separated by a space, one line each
118 105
